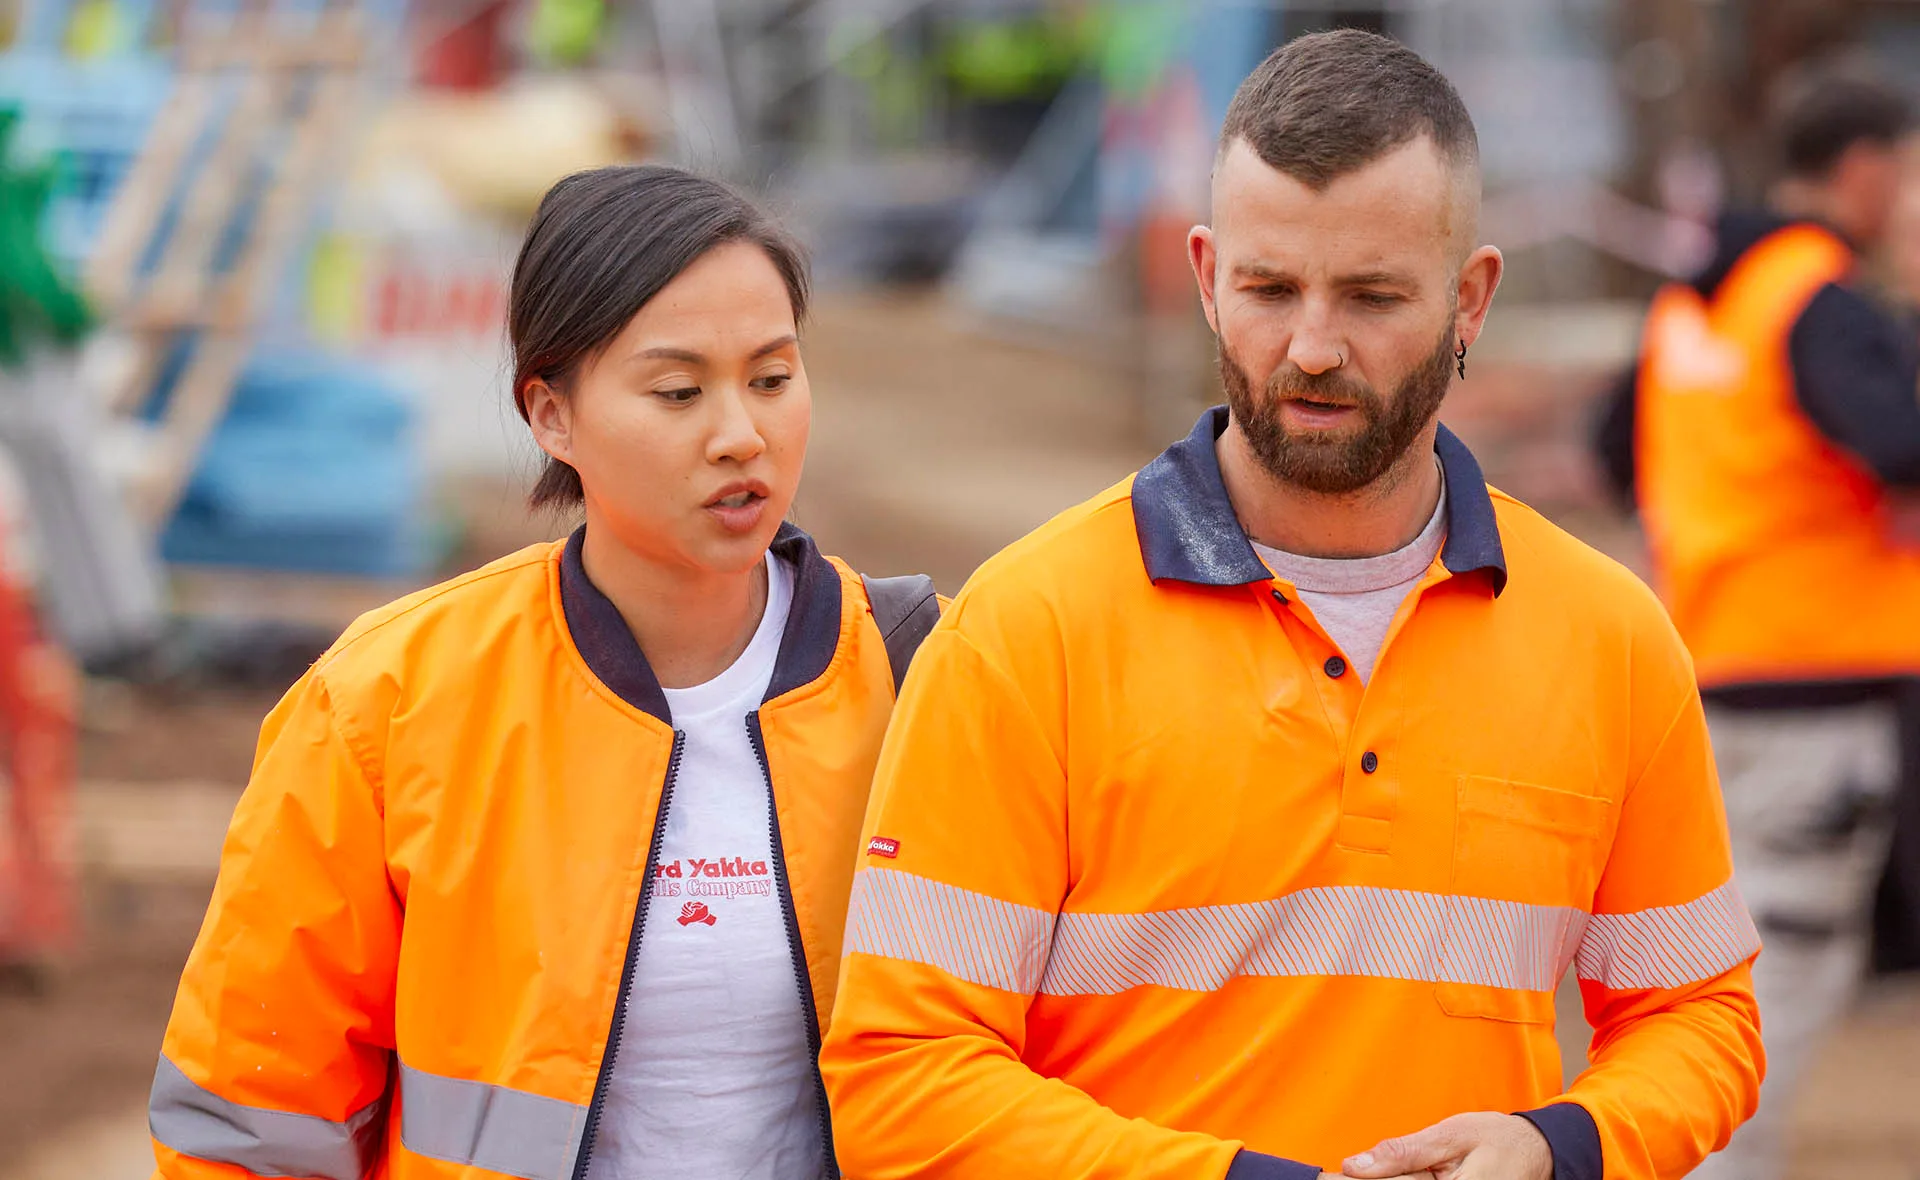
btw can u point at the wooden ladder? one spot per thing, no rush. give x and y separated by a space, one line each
218 199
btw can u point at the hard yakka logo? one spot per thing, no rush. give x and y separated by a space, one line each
696 867
721 877
696 911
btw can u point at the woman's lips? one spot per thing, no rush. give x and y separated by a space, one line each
739 508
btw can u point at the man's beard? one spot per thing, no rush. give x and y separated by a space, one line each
1323 462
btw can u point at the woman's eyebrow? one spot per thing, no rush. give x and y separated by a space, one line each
672 354
689 356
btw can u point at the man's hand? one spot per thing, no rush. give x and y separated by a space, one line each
1408 1176
1464 1147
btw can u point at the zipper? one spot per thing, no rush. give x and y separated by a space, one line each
800 975
598 1105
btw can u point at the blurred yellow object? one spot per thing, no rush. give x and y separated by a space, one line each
499 151
97 28
335 277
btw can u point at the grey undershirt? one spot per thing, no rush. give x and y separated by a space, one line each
1355 598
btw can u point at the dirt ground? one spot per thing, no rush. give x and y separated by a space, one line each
935 443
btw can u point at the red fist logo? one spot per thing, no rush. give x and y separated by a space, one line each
696 911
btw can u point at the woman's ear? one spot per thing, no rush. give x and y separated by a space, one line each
551 418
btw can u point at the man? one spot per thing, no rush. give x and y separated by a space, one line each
1241 821
1773 412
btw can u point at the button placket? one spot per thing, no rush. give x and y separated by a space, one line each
1369 785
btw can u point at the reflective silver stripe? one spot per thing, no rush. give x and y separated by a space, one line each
1340 930
195 1121
1335 930
968 935
1669 946
492 1127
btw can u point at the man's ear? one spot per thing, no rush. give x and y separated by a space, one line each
1200 253
551 418
1479 278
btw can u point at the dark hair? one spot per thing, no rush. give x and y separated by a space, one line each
1819 116
601 245
1324 105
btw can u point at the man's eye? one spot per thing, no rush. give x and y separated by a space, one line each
678 397
1376 299
773 382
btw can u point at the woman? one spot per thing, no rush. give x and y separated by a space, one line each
557 853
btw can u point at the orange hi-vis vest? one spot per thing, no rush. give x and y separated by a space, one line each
1153 887
1771 545
433 892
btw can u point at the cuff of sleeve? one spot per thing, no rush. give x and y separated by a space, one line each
1572 1136
1251 1165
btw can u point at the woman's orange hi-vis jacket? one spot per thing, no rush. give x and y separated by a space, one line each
1153 888
431 896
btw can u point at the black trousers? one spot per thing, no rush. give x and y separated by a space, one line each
1896 910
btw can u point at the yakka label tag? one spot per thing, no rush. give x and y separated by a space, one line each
882 846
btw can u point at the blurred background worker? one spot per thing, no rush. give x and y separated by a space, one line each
1771 424
36 757
40 314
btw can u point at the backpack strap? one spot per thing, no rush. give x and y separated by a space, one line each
905 609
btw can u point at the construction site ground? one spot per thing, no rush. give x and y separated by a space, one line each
938 438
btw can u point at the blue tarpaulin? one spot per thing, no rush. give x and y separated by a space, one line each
313 468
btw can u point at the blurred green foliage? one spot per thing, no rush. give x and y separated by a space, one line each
38 306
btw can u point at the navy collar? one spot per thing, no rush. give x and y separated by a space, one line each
1189 533
612 654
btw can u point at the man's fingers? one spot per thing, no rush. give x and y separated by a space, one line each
1421 1151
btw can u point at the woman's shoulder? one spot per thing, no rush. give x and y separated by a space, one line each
454 623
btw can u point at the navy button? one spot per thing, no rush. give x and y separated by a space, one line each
1369 762
1335 666
1280 598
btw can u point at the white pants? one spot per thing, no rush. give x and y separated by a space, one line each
1809 805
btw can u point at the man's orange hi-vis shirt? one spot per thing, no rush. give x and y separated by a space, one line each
1151 886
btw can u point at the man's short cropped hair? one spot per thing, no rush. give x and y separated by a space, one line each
1819 115
1328 104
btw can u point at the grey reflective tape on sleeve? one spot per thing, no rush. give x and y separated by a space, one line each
484 1126
194 1121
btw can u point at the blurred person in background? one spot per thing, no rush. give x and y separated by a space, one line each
1768 433
1241 821
541 872
39 692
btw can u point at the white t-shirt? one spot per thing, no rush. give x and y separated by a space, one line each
713 1077
1355 598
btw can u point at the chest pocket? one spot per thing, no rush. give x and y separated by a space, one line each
1526 861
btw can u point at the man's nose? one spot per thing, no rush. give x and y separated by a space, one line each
1314 348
